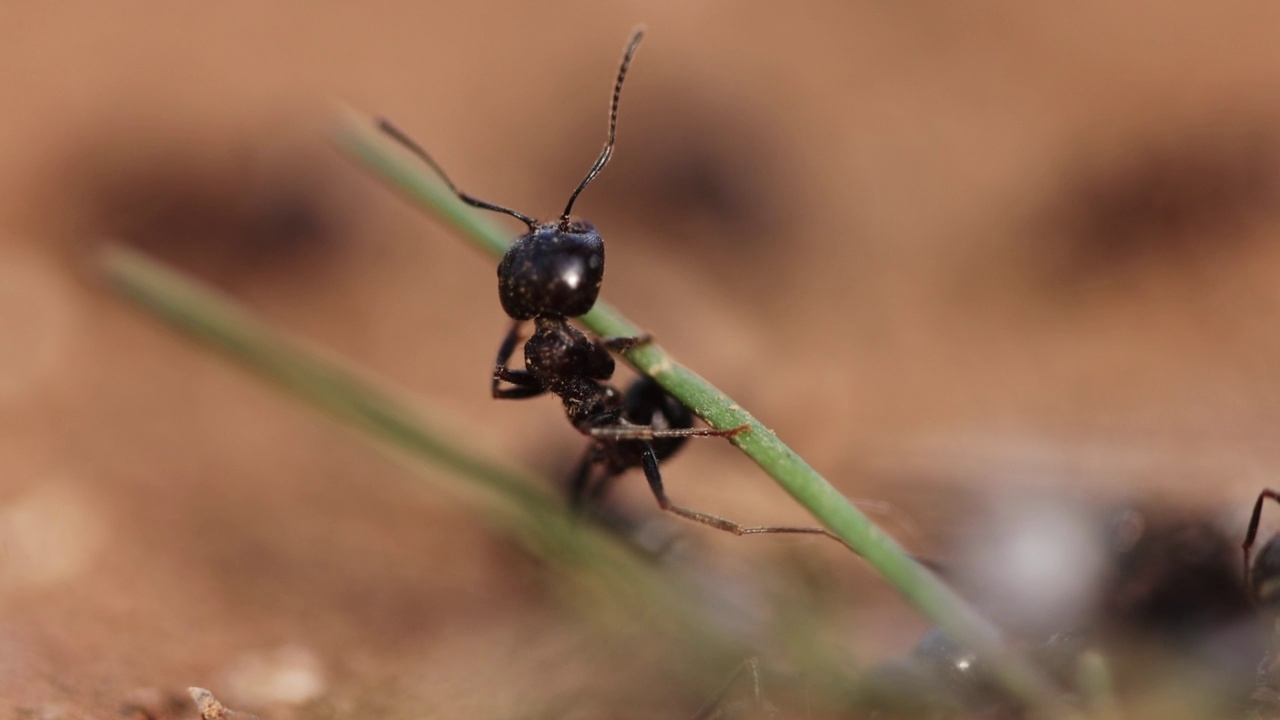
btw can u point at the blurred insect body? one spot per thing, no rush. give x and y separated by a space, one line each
1263 574
1166 606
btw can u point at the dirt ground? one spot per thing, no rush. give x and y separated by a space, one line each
944 251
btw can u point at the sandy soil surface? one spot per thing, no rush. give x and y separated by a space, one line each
942 250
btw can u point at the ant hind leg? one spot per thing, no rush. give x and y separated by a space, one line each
649 461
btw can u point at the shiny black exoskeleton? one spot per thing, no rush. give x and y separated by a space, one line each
553 273
555 269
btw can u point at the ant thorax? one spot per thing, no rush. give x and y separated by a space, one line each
559 350
569 364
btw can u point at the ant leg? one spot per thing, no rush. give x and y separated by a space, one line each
507 349
648 432
1252 533
622 344
650 462
527 385
602 487
581 481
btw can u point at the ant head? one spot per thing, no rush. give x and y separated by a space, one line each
555 269
1264 579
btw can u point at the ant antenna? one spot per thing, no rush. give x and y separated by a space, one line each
605 154
399 136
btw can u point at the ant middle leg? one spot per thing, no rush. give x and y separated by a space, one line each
1252 534
649 460
648 432
622 344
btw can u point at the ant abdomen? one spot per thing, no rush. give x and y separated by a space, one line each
648 403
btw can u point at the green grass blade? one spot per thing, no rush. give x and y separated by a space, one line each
921 588
598 574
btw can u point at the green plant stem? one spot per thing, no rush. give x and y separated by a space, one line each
934 599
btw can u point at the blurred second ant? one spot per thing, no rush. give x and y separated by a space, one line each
1262 574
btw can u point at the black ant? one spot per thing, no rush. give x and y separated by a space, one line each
1262 576
550 274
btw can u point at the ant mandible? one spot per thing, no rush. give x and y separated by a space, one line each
1262 576
553 273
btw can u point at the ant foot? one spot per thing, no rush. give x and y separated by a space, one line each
622 344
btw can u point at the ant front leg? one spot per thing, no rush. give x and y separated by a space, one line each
599 364
1252 534
649 460
527 385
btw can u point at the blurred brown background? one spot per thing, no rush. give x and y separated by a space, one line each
938 249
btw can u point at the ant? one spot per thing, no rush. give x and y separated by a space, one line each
550 274
1262 576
